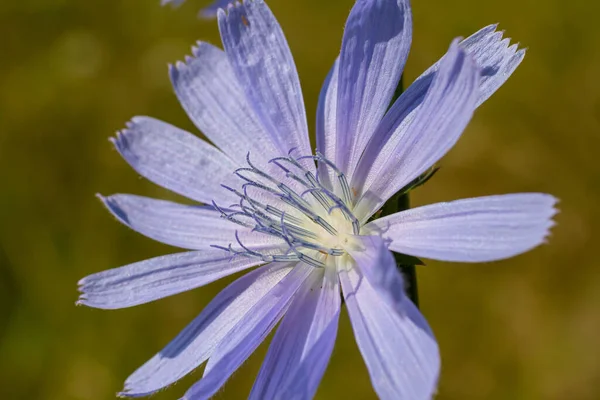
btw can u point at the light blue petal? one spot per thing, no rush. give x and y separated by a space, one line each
377 264
496 62
327 124
437 125
188 227
177 160
159 277
198 340
210 94
375 47
470 230
247 334
399 349
291 368
303 384
262 61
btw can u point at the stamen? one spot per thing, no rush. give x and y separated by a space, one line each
303 243
311 261
300 204
266 221
237 238
312 181
346 192
253 182
261 187
278 213
229 216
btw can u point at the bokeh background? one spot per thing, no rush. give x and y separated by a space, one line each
73 72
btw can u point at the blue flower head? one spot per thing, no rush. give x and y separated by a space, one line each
303 219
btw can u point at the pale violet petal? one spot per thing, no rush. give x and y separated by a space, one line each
496 61
470 230
327 124
197 341
399 349
263 64
377 264
446 111
188 227
247 334
374 50
292 369
210 94
159 277
303 384
177 160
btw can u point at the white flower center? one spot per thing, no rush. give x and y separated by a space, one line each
314 220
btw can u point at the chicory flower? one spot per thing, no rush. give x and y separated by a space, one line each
304 219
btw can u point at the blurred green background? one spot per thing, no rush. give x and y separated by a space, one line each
73 72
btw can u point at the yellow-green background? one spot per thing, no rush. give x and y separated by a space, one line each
72 72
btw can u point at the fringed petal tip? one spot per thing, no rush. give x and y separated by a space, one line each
82 300
84 286
553 210
182 66
219 9
506 40
493 33
496 56
120 138
549 202
189 58
82 283
232 9
490 44
503 46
